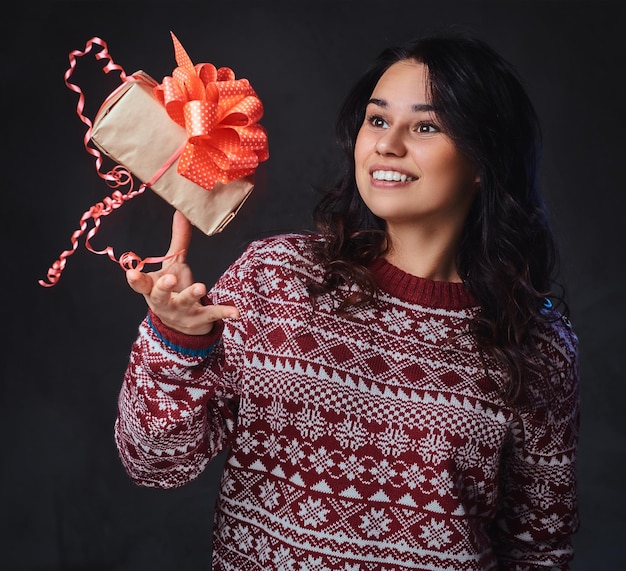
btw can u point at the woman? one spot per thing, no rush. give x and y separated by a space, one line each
395 392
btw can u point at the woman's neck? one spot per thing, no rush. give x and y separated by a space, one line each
430 255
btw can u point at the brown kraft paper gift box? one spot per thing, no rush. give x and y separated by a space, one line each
134 130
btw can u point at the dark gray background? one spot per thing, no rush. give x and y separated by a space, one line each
65 501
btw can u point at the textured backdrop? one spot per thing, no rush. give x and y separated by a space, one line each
65 502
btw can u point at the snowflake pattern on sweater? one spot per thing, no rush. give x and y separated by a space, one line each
371 442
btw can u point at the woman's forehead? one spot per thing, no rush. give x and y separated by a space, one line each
404 83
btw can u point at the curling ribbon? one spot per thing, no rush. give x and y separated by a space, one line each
220 115
117 177
80 105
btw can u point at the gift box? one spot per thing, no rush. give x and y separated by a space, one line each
134 129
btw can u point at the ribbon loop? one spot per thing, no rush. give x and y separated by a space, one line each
220 114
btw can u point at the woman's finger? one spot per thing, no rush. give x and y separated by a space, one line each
162 290
139 282
181 237
191 295
217 312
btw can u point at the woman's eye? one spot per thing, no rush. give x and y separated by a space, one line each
377 121
427 128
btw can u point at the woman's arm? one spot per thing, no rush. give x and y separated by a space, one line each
175 411
538 503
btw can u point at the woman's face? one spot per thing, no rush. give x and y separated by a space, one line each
408 171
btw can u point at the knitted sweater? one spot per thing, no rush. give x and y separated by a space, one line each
371 442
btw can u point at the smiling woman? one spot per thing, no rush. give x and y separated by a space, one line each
503 251
411 175
395 391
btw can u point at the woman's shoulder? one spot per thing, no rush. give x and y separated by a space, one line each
286 250
556 331
556 376
284 242
290 246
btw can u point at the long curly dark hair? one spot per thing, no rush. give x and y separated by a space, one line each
507 256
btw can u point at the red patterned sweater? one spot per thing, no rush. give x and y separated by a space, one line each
370 443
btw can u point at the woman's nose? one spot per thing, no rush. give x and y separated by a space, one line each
391 142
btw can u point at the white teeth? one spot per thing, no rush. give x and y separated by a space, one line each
391 176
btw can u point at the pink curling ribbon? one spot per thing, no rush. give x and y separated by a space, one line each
108 68
220 115
117 177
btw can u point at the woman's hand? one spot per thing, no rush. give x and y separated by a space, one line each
171 292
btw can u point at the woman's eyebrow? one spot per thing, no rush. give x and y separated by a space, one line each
416 107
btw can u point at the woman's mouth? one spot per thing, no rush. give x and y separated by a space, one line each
392 176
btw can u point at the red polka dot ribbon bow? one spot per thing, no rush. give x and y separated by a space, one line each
220 115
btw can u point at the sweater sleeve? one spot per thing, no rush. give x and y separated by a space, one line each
177 408
173 416
538 507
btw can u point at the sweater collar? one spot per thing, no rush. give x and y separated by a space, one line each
422 291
